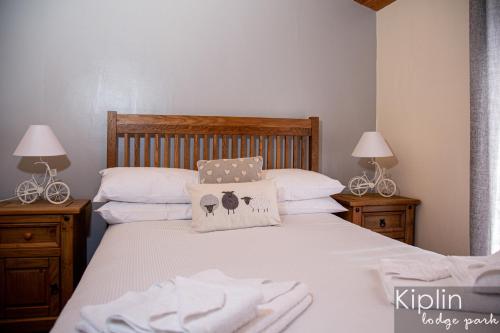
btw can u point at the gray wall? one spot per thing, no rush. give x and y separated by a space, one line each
65 63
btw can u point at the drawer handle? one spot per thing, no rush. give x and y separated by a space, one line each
28 236
54 289
382 223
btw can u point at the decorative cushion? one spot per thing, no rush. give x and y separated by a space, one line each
234 205
237 170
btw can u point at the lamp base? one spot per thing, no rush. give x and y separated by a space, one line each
385 186
54 191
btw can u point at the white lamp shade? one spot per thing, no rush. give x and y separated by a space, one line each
39 140
372 144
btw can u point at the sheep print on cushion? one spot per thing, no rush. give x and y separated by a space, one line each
236 170
234 205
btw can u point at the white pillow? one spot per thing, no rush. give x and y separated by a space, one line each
146 185
234 205
310 206
298 184
115 212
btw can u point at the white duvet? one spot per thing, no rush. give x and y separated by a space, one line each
336 259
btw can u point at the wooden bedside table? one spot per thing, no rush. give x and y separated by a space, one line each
42 257
393 217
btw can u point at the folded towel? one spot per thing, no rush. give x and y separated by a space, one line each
205 302
140 303
481 274
422 270
238 307
287 318
390 282
179 305
280 307
488 281
282 301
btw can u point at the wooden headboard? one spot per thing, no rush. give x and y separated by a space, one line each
180 141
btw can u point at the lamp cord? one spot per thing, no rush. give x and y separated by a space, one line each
14 197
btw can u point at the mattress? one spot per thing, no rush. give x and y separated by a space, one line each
335 258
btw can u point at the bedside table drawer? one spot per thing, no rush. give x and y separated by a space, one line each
30 235
393 217
384 222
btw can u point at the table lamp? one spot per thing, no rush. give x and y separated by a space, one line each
372 145
40 141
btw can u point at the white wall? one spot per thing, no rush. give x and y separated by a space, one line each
423 112
66 62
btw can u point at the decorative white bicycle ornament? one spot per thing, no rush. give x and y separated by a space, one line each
54 191
386 187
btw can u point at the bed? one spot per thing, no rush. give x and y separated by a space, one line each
335 258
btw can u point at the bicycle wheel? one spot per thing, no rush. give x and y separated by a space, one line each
57 193
27 192
358 186
386 187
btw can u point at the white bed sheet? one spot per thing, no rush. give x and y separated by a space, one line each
335 258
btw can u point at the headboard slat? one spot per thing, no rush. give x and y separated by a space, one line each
282 142
215 146
224 146
126 148
269 152
234 146
314 144
295 151
261 146
137 149
287 152
244 150
206 146
187 151
252 145
112 146
177 151
166 151
147 153
278 152
157 150
196 152
303 156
